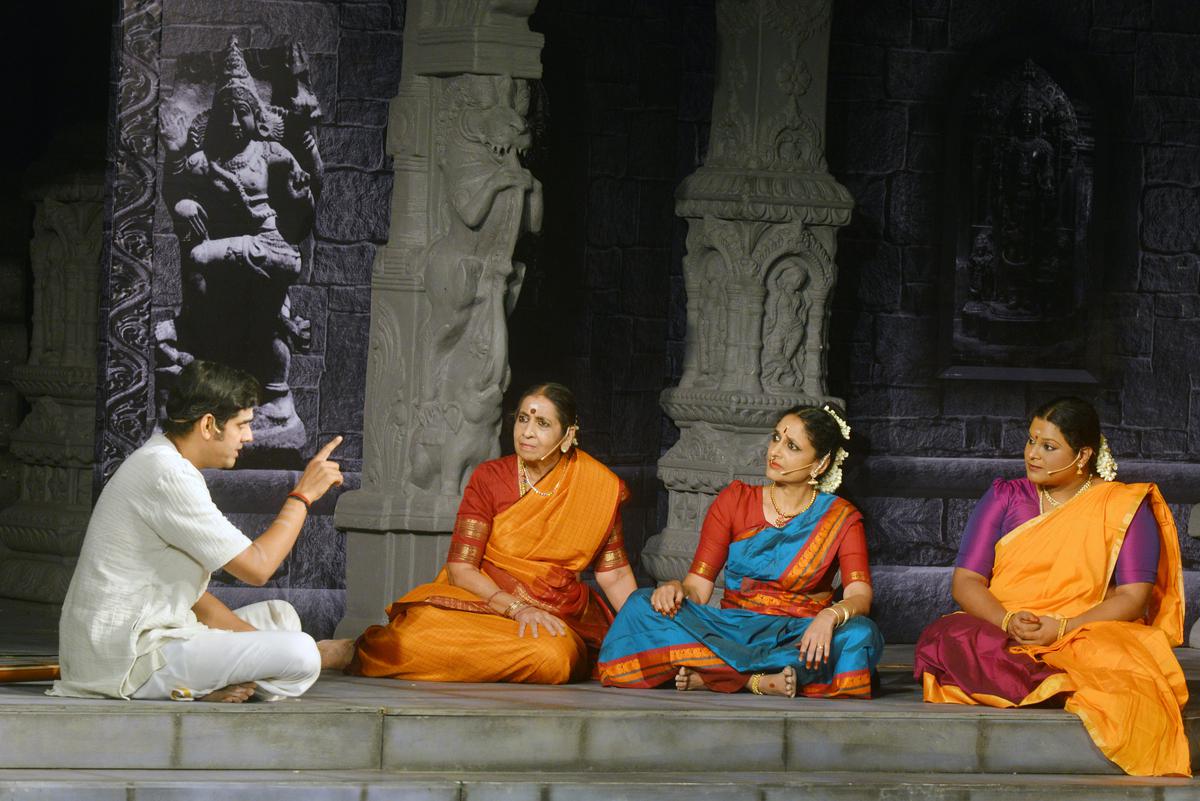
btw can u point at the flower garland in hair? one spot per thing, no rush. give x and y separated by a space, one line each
833 476
1106 465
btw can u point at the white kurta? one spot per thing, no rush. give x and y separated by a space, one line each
152 543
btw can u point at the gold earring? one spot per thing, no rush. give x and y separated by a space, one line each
813 480
1079 469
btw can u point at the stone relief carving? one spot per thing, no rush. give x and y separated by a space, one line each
55 442
127 267
470 279
241 181
784 327
1021 227
750 319
67 237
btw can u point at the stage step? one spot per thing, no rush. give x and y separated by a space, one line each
348 723
655 786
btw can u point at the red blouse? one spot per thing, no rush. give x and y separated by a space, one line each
738 508
493 488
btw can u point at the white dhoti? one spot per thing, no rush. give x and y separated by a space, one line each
281 659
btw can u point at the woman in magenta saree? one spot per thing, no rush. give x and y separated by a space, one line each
778 631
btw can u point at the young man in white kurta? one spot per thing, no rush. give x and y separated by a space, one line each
129 626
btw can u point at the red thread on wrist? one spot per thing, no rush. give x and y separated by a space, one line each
307 503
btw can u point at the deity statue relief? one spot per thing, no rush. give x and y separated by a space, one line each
1028 150
1026 190
241 182
471 282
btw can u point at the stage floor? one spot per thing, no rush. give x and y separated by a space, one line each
358 738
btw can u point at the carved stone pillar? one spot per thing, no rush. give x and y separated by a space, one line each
763 214
442 289
41 533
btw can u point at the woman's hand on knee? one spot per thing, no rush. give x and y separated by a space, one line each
668 598
531 618
814 645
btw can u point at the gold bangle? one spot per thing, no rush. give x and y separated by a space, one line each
1008 616
1062 628
849 610
516 606
754 680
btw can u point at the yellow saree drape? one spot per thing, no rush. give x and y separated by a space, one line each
1121 679
537 548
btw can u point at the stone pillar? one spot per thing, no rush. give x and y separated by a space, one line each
441 289
763 214
41 533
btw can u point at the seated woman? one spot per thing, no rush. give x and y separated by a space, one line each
782 545
1071 590
509 605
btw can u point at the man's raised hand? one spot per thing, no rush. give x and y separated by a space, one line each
320 474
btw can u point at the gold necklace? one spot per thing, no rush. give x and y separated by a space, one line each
524 485
1054 504
782 518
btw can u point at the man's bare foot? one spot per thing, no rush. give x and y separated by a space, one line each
335 654
782 683
233 694
688 679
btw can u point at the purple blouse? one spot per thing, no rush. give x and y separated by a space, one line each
1008 504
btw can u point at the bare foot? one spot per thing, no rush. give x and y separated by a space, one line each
335 654
782 683
233 694
688 679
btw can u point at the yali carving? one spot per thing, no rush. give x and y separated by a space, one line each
471 282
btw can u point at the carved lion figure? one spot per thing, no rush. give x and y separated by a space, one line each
486 200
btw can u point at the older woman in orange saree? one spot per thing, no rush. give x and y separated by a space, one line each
1071 587
509 605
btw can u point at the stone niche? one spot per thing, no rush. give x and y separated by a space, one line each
1020 203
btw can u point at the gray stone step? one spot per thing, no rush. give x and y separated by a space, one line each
348 723
657 786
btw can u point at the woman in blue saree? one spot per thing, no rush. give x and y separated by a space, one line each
778 630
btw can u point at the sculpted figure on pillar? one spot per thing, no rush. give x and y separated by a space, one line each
471 281
242 179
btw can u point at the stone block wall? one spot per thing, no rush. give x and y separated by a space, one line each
893 71
628 90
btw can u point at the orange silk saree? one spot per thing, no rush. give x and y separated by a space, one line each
1120 678
536 550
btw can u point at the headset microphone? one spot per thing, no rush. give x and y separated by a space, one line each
1059 470
557 445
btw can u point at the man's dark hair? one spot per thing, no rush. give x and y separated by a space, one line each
208 388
